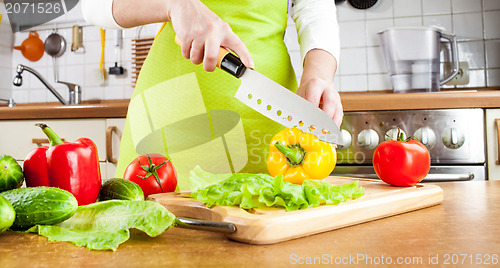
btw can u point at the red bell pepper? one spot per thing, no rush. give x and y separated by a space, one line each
70 166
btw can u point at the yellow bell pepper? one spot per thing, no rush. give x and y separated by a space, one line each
299 156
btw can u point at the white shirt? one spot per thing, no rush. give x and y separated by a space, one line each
316 22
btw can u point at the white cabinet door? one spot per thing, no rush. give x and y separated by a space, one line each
19 137
114 130
492 143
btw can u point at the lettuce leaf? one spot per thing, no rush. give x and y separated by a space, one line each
105 225
260 190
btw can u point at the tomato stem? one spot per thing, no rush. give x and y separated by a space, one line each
51 135
294 153
151 169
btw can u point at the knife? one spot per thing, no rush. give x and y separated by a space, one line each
277 102
204 225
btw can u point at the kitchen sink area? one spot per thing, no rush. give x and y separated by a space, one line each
53 110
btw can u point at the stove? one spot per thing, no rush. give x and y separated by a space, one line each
455 139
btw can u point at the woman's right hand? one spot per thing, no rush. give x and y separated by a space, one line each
202 33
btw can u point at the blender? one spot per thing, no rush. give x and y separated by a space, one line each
413 57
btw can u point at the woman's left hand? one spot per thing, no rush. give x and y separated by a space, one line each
316 84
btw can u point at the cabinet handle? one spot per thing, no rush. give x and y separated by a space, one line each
109 143
40 141
497 122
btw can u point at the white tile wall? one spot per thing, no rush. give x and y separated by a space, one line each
475 22
5 55
80 69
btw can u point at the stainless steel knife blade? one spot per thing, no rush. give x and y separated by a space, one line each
285 107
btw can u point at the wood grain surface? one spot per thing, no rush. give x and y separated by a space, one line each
273 225
467 222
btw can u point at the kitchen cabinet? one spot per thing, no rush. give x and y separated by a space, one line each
19 137
493 143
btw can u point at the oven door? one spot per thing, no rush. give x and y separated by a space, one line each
436 173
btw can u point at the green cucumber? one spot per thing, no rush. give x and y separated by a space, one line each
122 189
11 173
40 206
7 214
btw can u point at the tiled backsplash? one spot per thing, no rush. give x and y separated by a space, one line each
5 59
475 23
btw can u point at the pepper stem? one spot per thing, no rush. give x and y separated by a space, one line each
293 153
51 135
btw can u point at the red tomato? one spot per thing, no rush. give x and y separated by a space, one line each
401 163
154 173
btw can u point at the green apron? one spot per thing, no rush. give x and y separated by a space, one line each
190 115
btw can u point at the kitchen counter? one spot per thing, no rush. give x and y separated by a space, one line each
52 110
417 101
350 101
463 229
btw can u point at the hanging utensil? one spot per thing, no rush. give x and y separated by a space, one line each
77 45
117 70
32 48
55 46
101 72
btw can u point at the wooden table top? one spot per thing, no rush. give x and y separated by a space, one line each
463 229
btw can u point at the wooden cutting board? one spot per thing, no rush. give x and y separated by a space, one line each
267 226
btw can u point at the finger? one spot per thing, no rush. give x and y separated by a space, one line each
210 58
329 104
332 105
312 91
338 116
197 51
234 43
186 47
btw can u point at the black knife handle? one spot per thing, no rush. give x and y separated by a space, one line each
232 64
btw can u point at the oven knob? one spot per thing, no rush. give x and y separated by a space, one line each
392 134
426 136
453 138
368 139
346 140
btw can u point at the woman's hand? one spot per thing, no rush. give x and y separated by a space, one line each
200 30
202 33
316 84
